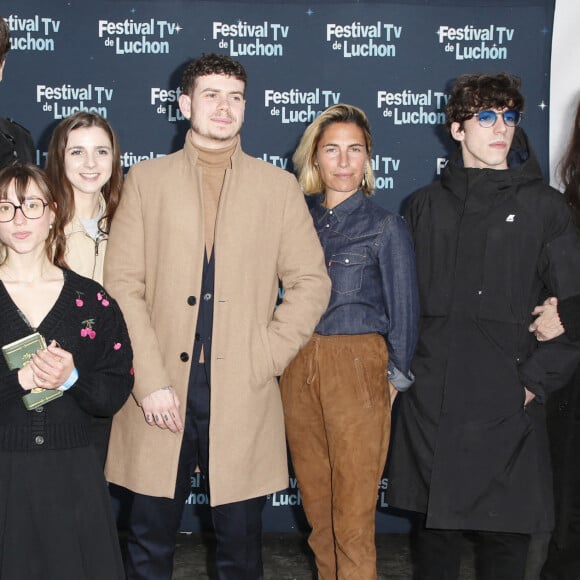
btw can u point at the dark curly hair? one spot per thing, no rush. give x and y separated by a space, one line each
476 92
211 64
570 170
4 39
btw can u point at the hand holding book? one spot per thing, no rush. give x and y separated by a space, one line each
22 354
52 366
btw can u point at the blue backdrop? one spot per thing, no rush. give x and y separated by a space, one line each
395 60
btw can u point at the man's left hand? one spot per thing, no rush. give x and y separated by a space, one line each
547 324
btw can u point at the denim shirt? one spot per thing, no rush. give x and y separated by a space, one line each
370 259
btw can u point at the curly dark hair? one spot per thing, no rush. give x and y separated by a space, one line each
570 170
476 92
211 64
4 39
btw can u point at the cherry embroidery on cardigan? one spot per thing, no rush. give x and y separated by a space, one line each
102 298
79 301
88 329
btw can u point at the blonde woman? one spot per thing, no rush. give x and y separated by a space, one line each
336 393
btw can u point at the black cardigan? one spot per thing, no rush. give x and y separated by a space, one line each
88 323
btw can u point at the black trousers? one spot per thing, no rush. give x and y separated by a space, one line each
154 521
563 562
499 556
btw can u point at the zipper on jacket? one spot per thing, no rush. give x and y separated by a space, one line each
97 241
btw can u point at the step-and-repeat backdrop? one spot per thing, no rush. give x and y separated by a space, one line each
396 60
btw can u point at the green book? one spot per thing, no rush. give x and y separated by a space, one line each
38 397
17 355
19 352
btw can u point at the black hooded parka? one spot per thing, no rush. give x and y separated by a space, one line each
490 245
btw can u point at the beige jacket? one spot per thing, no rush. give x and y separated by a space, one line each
85 255
263 233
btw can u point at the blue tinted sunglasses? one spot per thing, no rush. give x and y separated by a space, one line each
488 118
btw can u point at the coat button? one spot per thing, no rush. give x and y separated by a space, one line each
191 300
39 440
39 409
184 356
207 296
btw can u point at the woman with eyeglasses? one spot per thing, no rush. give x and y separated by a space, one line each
66 357
84 164
338 391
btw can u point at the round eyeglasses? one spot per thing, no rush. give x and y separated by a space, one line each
31 208
488 118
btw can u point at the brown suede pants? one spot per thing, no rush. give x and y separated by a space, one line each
338 417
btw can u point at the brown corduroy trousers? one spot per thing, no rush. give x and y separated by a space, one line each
338 416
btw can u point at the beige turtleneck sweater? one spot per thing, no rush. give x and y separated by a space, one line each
213 164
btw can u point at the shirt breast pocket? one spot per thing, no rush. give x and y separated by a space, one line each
346 272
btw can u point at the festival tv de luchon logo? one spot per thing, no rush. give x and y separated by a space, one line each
366 40
34 33
251 39
470 42
298 105
130 36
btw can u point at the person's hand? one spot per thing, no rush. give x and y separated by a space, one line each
529 397
161 409
51 367
26 378
547 324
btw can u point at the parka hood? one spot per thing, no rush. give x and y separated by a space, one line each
520 156
523 167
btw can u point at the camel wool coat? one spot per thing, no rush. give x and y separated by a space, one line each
263 234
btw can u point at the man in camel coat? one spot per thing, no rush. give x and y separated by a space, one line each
198 246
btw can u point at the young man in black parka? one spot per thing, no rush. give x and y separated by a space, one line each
470 450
